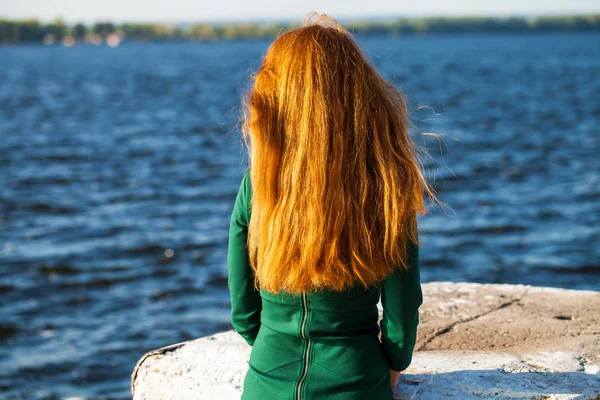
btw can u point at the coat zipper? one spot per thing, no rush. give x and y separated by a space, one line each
303 334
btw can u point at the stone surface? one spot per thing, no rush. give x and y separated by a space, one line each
474 341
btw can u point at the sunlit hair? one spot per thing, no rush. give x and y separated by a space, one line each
336 184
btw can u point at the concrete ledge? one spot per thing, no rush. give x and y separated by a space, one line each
475 341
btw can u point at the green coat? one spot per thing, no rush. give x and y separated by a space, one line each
320 346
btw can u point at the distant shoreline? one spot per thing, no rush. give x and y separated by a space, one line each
359 36
58 32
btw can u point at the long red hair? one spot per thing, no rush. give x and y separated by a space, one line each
336 181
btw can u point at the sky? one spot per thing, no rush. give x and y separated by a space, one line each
264 10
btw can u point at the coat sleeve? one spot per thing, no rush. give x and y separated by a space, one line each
246 302
401 297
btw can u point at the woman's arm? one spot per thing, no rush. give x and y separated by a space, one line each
246 302
401 297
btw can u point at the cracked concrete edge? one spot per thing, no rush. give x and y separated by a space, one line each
152 353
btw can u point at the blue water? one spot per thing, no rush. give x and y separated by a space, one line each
119 168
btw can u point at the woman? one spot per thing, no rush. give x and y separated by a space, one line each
333 189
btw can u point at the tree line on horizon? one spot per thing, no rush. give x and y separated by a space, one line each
22 31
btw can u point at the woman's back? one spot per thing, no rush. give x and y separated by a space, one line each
320 344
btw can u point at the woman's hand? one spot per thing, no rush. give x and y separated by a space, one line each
394 375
